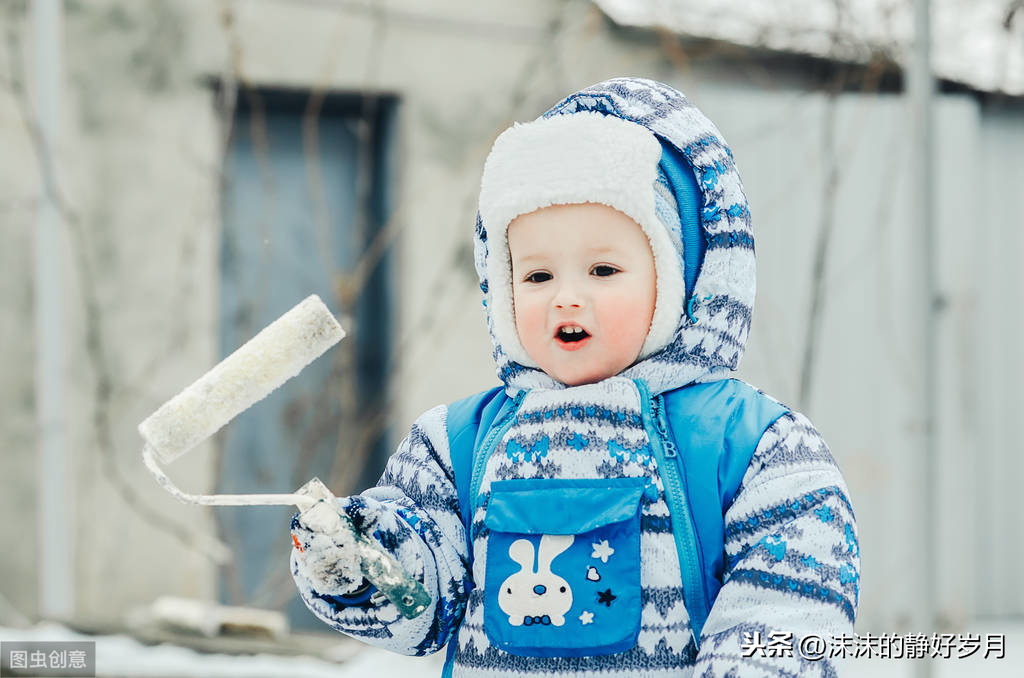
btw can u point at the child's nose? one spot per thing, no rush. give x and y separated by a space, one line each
568 296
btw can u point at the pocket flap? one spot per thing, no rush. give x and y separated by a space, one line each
562 506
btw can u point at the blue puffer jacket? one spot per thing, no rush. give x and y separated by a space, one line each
574 569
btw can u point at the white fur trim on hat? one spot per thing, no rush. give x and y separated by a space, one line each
569 159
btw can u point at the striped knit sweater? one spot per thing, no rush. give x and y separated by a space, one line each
790 534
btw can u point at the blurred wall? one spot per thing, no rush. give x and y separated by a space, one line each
140 162
136 170
993 408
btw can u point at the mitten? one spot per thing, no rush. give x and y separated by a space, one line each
326 551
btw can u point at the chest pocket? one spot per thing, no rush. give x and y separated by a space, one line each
563 566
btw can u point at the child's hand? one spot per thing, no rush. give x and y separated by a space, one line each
325 551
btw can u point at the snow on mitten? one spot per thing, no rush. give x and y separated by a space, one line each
327 559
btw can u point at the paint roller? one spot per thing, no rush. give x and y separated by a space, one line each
275 355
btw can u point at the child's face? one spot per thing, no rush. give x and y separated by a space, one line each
583 266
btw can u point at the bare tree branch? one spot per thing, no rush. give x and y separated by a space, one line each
96 350
1011 14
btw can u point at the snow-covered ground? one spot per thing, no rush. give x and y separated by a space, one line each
123 657
119 656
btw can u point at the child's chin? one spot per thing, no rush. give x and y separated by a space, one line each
582 379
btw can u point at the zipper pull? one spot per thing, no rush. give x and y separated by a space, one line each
659 416
658 409
517 402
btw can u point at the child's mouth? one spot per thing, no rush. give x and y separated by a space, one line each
572 337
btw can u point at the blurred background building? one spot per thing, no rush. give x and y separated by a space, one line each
215 162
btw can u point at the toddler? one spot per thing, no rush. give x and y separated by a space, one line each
625 508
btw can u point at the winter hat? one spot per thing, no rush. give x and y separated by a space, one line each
591 157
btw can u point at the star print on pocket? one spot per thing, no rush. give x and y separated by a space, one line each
602 550
586 617
606 597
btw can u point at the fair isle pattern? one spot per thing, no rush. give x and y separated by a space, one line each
792 552
414 512
724 292
790 523
792 556
589 431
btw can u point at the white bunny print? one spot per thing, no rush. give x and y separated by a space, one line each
540 597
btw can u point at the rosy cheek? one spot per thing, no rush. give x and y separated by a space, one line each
529 321
621 338
626 323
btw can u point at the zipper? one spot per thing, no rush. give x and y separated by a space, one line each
671 470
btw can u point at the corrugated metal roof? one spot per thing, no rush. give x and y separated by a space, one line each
979 43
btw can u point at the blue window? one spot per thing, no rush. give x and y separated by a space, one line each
305 190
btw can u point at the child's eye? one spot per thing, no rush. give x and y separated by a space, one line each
538 277
604 270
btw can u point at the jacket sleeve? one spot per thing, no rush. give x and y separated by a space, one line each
414 513
792 562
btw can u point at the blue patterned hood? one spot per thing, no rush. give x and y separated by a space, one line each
710 332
